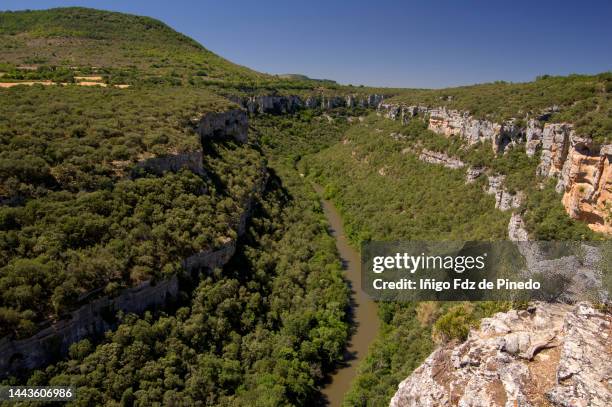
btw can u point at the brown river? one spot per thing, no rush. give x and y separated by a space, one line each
364 318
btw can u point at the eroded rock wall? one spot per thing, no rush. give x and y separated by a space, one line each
434 157
290 104
232 124
191 160
582 168
549 354
586 184
89 320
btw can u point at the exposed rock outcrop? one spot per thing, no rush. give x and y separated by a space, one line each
586 183
555 142
434 157
533 137
504 200
191 160
472 174
288 104
550 354
222 125
583 169
516 229
95 317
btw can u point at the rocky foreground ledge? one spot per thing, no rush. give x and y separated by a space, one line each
547 355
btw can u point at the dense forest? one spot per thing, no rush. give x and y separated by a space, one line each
263 331
78 217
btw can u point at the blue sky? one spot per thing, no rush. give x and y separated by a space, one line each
390 43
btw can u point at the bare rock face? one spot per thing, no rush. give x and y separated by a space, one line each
191 160
551 354
455 123
583 169
555 143
533 137
229 124
504 200
288 104
586 184
473 173
516 229
434 157
93 318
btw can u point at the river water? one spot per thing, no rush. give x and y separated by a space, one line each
364 318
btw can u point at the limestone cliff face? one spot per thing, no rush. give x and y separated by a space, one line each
454 123
191 160
434 157
289 104
583 169
549 354
229 124
586 184
555 141
93 318
97 316
504 200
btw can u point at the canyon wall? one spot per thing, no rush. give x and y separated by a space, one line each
549 354
96 316
290 104
581 166
232 124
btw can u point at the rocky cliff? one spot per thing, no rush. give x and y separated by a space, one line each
229 125
581 166
288 104
586 184
232 124
434 157
549 354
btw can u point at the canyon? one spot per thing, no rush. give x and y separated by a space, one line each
579 164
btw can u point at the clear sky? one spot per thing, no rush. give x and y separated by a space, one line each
389 43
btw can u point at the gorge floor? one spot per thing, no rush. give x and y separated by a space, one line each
364 317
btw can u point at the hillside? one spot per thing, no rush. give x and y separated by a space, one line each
86 38
64 44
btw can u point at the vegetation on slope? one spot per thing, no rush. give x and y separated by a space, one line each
546 218
584 100
85 138
73 219
385 192
262 332
85 37
59 44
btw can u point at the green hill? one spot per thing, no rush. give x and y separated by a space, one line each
63 43
83 37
